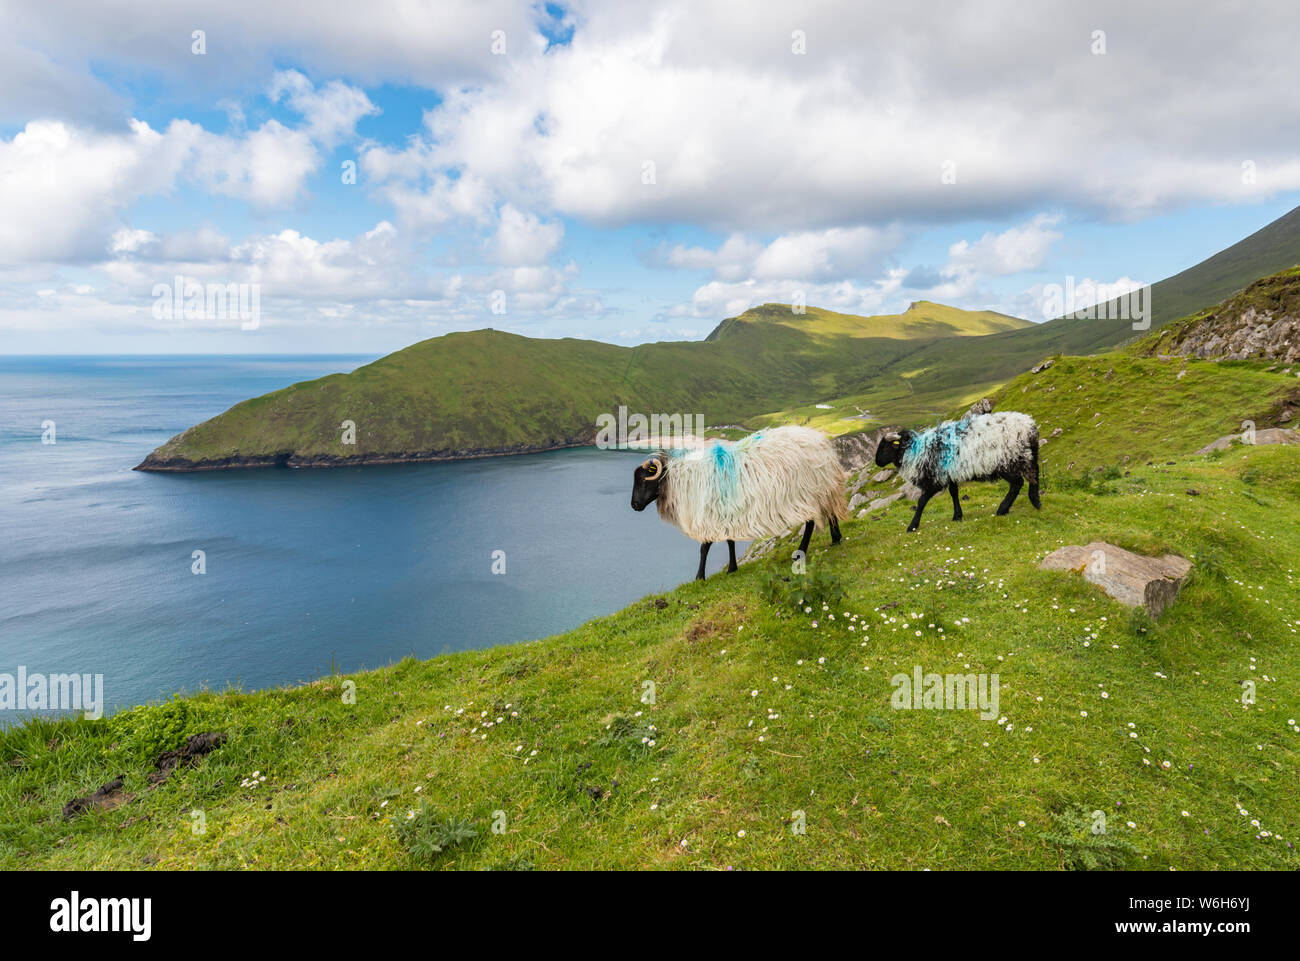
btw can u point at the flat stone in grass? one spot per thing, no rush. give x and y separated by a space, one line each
1134 580
1269 435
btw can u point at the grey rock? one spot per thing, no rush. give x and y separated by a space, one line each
1134 580
882 502
1269 435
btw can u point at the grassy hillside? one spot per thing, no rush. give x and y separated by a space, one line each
1119 409
762 711
489 391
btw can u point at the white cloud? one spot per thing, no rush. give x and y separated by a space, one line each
523 239
331 112
384 41
746 136
718 299
1009 252
810 167
807 255
65 190
62 189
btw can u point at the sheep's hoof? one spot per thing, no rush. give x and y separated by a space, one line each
956 517
732 569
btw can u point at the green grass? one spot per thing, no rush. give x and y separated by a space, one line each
1120 409
760 711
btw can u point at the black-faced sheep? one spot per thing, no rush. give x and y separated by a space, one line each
983 447
759 486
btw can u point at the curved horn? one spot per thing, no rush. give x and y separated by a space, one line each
654 467
893 435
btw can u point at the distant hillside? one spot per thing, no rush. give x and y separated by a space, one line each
489 392
922 320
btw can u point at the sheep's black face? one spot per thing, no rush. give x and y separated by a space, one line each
889 452
645 483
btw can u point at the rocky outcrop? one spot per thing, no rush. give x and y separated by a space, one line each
858 449
1253 334
1132 579
1260 323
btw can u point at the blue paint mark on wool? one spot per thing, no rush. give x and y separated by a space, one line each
949 440
941 445
919 443
726 472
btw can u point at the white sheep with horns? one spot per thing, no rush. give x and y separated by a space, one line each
760 486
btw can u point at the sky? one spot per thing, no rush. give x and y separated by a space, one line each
382 173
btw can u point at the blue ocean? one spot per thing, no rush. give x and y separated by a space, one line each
304 569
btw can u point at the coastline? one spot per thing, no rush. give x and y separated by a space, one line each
182 465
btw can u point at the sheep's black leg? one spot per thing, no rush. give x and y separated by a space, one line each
920 506
1005 506
704 553
835 530
731 552
807 536
1033 481
956 501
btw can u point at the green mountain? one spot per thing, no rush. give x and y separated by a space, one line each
490 392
